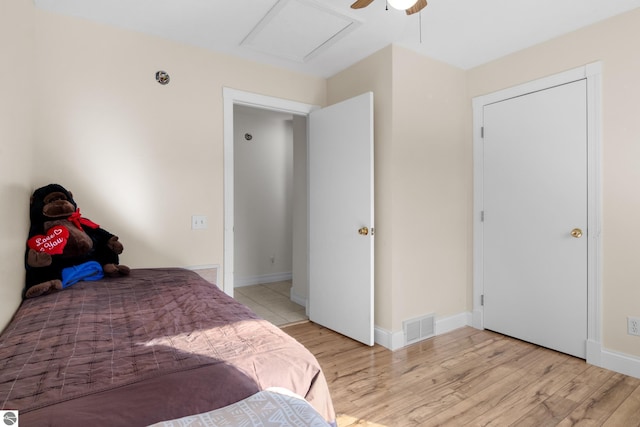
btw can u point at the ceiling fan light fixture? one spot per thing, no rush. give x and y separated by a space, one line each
401 4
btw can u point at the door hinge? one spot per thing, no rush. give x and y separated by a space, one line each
482 300
481 216
482 132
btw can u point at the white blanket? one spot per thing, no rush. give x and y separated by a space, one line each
274 407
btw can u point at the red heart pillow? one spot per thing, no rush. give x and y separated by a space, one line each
53 243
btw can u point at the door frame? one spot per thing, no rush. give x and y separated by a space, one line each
233 97
592 73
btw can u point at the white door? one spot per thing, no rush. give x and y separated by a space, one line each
535 195
341 217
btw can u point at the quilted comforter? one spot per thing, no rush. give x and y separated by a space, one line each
156 345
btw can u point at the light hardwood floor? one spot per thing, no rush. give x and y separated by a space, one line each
467 377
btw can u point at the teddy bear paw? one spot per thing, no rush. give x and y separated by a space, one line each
123 270
114 270
115 245
38 259
43 288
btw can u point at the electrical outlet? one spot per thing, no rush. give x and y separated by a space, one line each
198 222
633 325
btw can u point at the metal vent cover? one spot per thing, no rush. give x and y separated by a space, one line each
419 329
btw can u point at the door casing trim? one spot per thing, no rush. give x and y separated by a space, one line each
233 97
592 73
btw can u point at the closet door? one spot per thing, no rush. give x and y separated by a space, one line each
535 217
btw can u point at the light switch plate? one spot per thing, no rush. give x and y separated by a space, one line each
198 222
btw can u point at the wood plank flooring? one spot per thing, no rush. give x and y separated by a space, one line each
467 377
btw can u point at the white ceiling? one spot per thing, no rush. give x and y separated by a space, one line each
323 37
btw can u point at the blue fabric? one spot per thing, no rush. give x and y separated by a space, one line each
90 270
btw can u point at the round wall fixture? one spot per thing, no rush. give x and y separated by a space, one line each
248 136
162 77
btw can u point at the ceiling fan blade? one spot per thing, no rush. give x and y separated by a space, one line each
359 4
420 4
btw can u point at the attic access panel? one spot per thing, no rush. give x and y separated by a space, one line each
298 30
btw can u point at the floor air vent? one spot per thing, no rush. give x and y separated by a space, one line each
419 329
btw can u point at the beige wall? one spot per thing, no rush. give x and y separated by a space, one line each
141 158
615 42
375 74
16 142
432 178
423 179
83 109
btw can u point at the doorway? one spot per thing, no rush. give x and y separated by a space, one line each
353 117
270 212
233 98
489 264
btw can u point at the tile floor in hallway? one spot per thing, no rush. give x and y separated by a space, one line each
272 302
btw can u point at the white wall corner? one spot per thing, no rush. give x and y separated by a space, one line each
594 353
477 320
299 300
391 340
593 69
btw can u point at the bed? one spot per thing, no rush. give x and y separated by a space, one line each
157 345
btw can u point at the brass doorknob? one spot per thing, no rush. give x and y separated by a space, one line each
364 231
577 233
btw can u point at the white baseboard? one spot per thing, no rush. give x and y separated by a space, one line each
596 355
204 267
299 300
612 360
210 272
264 278
451 323
391 340
395 340
620 362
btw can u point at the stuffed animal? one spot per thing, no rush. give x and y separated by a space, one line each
63 247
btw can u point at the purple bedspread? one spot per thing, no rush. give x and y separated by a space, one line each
156 345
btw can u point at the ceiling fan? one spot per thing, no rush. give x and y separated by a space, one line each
410 6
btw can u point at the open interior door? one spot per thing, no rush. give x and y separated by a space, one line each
341 242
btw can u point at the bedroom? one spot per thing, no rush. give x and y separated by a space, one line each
80 96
